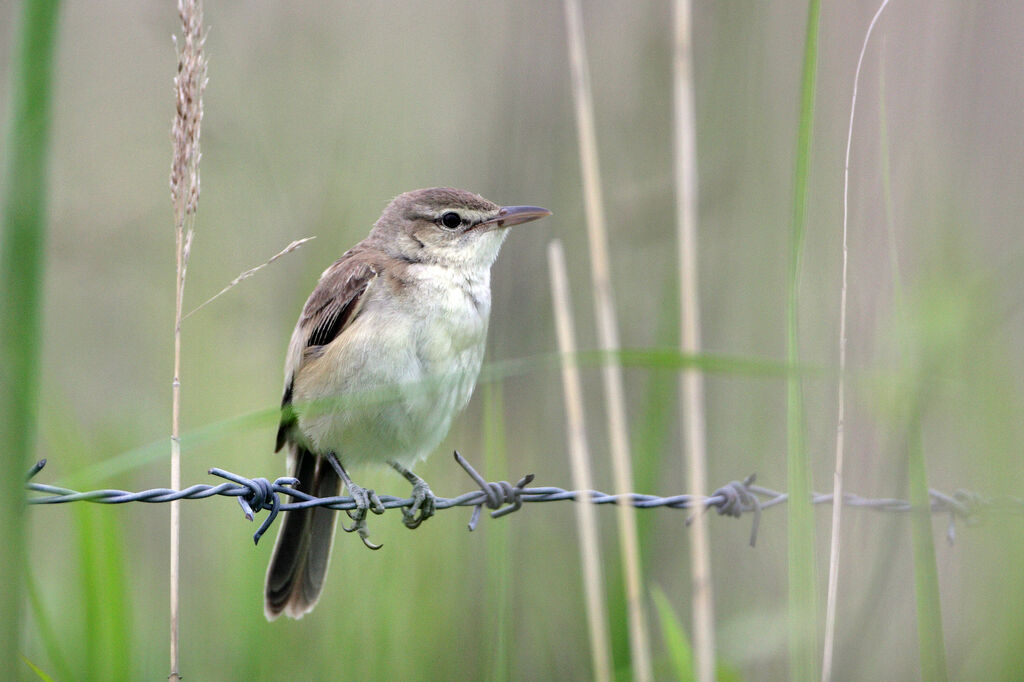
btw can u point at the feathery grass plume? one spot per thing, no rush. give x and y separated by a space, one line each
189 84
837 484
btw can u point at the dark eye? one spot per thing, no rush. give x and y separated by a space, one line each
451 220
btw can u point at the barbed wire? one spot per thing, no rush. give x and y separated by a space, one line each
501 497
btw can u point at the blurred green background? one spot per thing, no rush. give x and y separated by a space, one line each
318 113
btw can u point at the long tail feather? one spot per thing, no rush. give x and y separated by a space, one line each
298 566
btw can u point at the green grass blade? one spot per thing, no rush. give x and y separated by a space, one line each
654 426
931 648
107 616
45 630
676 642
21 278
37 670
499 579
802 597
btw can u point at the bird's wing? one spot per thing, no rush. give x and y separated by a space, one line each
329 310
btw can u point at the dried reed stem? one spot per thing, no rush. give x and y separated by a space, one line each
691 381
189 84
608 339
249 273
579 456
837 479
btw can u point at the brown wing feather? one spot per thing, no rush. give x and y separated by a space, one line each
329 310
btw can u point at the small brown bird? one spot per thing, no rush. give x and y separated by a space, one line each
386 352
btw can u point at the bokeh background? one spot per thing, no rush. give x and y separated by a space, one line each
318 113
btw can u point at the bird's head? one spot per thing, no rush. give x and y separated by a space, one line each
450 227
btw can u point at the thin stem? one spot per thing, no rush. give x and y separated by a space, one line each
691 382
608 339
189 83
579 457
175 559
837 482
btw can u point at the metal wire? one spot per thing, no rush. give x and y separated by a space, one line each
733 499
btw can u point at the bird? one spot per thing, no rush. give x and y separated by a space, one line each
385 353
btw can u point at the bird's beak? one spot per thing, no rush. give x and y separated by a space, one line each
514 215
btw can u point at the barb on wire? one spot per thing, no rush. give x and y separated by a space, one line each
733 499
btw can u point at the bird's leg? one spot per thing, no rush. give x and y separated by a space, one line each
422 499
364 498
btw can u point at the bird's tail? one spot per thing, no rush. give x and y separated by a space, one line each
295 577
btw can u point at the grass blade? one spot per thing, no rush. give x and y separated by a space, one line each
37 670
21 280
802 598
931 647
676 643
499 578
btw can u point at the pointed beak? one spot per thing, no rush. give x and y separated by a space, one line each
514 215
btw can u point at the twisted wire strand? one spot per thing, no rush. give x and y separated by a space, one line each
734 499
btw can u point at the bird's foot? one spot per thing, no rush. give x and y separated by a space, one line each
366 500
423 500
423 505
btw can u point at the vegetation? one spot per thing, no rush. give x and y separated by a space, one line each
315 116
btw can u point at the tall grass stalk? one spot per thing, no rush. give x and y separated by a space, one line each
188 84
579 455
608 339
21 279
802 598
691 382
837 480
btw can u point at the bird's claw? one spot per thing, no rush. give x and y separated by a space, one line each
365 499
423 505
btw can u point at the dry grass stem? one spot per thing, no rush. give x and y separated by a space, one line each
837 481
691 382
189 83
249 273
608 340
579 457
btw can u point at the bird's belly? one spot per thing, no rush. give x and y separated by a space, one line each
391 391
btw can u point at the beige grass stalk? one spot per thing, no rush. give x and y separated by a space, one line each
691 381
608 339
579 454
189 84
837 479
249 273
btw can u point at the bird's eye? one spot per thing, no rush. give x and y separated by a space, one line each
451 220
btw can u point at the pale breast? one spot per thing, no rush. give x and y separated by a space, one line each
391 384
